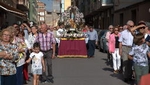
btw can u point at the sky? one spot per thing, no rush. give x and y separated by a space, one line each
48 4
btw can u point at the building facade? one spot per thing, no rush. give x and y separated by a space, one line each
98 13
102 13
135 10
41 12
9 13
33 13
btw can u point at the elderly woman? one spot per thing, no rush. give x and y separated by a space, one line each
7 65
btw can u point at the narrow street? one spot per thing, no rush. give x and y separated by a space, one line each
84 71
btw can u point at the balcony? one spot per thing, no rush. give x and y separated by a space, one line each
23 5
107 2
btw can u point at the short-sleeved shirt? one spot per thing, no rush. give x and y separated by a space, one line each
45 41
139 54
36 60
126 38
7 67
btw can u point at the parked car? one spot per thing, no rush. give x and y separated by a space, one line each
102 41
98 31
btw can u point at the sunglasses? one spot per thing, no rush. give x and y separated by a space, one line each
131 26
142 28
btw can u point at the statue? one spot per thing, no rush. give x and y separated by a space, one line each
72 18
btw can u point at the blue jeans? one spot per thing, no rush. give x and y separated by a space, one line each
0 79
19 75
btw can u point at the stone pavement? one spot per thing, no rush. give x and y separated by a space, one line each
84 71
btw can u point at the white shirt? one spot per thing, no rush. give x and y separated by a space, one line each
126 38
31 39
58 34
36 60
17 41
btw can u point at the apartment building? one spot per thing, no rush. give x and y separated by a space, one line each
102 13
135 10
33 12
65 4
98 13
41 12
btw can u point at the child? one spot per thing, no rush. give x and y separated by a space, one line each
37 63
139 54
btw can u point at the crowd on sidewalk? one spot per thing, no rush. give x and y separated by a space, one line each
22 45
128 49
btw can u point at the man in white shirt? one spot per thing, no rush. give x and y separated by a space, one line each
126 42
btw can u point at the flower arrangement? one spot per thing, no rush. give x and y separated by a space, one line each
73 21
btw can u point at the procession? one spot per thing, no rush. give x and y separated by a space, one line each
74 48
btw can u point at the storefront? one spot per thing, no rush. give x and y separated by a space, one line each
10 15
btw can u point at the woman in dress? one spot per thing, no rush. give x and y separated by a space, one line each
7 65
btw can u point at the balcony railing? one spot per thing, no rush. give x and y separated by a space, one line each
23 5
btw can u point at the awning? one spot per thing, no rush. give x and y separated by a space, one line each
11 9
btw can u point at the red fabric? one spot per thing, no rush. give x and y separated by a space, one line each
145 80
72 47
25 72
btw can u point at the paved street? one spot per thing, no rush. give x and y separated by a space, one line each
84 71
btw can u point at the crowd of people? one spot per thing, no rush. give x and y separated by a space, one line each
128 48
21 45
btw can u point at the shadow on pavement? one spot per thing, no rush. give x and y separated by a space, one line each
108 63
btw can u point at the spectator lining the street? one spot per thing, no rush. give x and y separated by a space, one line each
47 46
110 30
38 65
139 54
114 49
126 42
7 65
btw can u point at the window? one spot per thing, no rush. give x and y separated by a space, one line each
121 19
133 15
42 13
42 19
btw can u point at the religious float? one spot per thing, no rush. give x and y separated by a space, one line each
72 42
73 21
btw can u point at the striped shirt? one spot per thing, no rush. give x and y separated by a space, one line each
45 40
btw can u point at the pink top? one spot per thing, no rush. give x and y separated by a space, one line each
112 42
107 37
